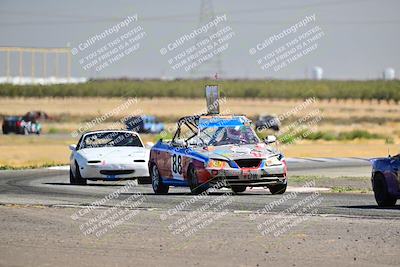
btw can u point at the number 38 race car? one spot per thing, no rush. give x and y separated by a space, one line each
208 149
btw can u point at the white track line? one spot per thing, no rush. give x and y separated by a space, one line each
296 189
60 168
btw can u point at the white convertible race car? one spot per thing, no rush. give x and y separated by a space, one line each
108 155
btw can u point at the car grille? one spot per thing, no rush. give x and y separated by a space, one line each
248 163
116 172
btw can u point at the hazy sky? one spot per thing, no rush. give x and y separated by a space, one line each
361 38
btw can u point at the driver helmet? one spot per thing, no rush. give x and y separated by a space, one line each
234 133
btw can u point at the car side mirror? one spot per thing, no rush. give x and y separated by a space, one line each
72 147
270 139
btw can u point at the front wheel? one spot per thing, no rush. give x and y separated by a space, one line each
75 178
156 181
277 189
195 187
382 196
72 179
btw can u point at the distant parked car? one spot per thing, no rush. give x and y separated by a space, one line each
36 116
18 125
386 180
267 122
144 124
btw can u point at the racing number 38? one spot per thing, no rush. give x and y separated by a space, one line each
177 165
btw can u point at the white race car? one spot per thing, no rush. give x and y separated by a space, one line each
108 155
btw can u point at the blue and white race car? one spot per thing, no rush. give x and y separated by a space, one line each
208 148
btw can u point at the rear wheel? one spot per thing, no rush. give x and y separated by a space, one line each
195 187
156 181
382 196
277 189
238 188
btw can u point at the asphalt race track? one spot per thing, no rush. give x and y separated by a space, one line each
38 227
51 187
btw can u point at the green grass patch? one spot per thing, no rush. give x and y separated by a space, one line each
348 189
293 135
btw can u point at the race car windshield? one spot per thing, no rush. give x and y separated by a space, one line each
218 136
111 139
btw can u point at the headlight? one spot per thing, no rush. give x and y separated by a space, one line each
216 163
272 161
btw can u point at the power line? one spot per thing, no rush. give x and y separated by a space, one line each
167 18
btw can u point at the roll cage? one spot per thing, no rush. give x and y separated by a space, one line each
192 123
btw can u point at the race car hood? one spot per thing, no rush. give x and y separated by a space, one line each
234 152
114 153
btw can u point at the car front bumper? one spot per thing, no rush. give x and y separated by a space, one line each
114 171
273 175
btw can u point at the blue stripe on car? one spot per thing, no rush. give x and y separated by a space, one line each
180 150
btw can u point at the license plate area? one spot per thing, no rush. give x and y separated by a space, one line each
249 175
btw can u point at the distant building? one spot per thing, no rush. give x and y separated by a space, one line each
316 73
389 74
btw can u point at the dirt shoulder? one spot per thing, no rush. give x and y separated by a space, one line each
48 236
341 184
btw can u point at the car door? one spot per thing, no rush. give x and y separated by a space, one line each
177 156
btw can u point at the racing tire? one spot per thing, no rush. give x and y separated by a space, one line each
278 189
238 188
156 181
382 196
72 179
77 177
195 187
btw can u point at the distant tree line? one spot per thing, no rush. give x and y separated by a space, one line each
272 89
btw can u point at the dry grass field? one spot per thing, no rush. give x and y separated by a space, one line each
71 113
164 107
